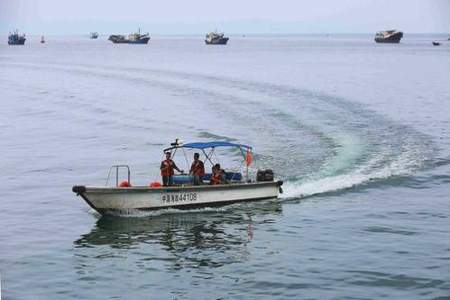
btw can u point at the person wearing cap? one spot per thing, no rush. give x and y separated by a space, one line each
197 170
167 167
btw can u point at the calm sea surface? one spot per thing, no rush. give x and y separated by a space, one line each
358 131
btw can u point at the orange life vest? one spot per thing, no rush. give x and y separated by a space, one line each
198 168
167 167
215 178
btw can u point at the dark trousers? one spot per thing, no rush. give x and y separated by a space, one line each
167 180
197 180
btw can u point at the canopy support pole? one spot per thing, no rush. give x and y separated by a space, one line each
208 156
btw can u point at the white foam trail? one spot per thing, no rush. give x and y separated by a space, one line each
404 165
349 150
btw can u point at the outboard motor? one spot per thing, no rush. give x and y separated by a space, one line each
264 175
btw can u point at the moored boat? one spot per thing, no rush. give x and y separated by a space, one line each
42 40
16 39
389 36
93 35
133 38
183 194
436 43
215 38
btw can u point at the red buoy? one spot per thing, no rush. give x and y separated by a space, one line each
124 184
155 184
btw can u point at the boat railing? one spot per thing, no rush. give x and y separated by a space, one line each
116 169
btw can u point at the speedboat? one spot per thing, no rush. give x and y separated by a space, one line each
124 199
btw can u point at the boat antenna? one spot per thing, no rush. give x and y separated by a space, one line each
175 144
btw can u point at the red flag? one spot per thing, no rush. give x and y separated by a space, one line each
249 158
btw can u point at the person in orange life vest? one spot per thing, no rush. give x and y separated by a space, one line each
167 167
215 176
218 175
197 169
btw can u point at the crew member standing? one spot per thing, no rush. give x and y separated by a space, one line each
167 167
197 169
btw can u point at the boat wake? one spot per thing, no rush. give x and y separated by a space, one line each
315 142
293 189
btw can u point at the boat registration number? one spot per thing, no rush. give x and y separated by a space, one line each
178 197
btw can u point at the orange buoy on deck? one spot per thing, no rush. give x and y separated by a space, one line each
125 184
155 184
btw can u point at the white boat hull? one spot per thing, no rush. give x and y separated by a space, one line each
113 200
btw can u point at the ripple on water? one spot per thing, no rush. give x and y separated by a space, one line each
390 230
379 279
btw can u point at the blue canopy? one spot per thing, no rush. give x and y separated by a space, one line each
205 145
201 145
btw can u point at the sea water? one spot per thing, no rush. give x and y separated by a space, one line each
359 132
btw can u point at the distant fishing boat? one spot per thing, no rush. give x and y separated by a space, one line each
42 40
133 38
436 44
215 38
16 39
94 35
389 36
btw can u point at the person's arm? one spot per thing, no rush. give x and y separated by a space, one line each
176 168
162 167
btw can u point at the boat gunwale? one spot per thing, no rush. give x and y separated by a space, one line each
190 188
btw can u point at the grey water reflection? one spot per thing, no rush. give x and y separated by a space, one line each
210 238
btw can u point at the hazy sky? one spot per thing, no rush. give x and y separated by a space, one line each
232 16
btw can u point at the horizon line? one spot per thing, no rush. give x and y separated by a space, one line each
229 33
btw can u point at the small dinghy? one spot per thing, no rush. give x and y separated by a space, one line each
124 199
436 43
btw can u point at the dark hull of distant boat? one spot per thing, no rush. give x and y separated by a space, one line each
118 39
122 40
221 41
392 39
140 41
20 41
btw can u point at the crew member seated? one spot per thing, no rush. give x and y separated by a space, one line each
197 170
218 175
